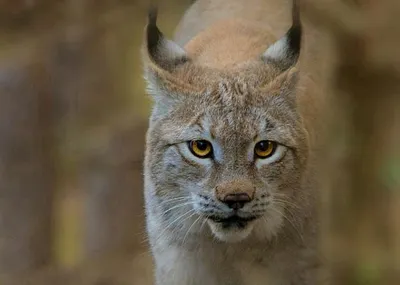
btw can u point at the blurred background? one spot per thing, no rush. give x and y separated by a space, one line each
73 116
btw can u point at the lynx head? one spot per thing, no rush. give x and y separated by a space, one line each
226 143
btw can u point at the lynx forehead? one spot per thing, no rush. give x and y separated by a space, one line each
227 150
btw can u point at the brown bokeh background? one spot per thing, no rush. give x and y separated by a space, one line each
73 116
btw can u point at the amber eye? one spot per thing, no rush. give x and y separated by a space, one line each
201 148
264 149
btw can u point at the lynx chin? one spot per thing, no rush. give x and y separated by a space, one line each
229 178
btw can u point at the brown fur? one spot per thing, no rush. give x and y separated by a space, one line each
234 187
228 43
221 88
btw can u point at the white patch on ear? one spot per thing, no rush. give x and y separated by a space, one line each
165 55
278 51
285 52
170 49
162 51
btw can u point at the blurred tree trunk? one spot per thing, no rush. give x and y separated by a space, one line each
362 233
27 176
67 107
83 48
27 141
111 175
106 145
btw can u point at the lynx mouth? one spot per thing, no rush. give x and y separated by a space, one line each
233 221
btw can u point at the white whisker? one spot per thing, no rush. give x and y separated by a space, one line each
174 200
202 224
178 206
287 203
174 221
285 206
291 223
187 232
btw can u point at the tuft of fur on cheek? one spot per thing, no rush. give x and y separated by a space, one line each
268 226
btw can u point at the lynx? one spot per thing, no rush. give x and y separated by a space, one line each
230 189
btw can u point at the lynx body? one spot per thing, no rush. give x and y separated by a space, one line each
230 186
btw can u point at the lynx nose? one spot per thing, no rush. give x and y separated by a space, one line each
235 194
236 201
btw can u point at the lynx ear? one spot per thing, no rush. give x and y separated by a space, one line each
163 53
162 57
285 52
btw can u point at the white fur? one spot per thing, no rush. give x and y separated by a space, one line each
277 51
169 49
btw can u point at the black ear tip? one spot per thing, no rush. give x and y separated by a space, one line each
296 13
294 34
154 35
152 15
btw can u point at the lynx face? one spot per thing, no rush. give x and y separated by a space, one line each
225 148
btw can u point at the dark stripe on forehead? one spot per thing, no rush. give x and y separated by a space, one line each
212 131
196 121
224 87
238 89
267 126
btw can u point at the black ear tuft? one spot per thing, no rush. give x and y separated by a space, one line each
152 15
295 32
154 35
285 52
163 52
